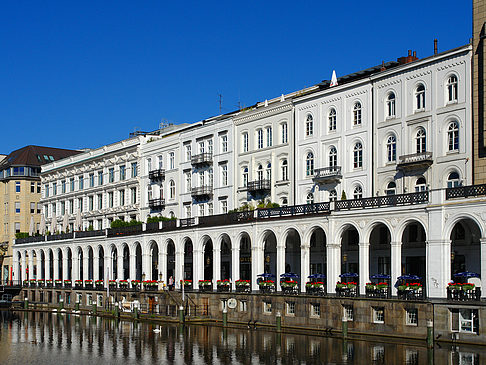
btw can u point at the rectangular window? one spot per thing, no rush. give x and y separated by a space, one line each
284 133
17 186
80 204
32 207
210 208
224 175
91 180
290 308
243 306
201 210
81 182
17 207
315 310
260 138
188 211
224 206
38 208
267 307
100 224
411 316
32 187
54 188
17 227
63 208
100 178
71 184
122 198
172 160
100 201
123 173
210 146
245 142
111 175
188 153
465 320
63 186
269 136
38 188
133 194
348 312
90 203
378 314
224 143
134 169
110 199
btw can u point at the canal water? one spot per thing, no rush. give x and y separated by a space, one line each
45 338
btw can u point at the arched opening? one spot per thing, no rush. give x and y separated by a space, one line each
465 247
42 273
318 254
245 258
35 268
350 251
154 254
126 263
208 259
113 275
138 262
270 253
90 263
101 263
188 260
170 259
414 250
292 252
59 265
380 251
225 252
69 256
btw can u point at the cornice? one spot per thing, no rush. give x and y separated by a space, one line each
263 113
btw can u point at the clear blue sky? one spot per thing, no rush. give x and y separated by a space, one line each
87 74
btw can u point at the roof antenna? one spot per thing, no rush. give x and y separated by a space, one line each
220 102
435 46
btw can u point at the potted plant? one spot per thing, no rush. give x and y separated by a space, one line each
112 284
78 284
266 286
58 283
135 284
40 283
32 283
150 284
100 284
186 283
223 285
289 286
123 284
205 285
49 283
242 285
67 283
88 283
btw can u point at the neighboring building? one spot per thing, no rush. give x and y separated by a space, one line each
20 189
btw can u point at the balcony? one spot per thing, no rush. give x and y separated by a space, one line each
259 185
157 175
157 204
327 175
201 191
466 191
415 161
202 159
421 197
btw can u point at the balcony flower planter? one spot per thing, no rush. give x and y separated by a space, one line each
135 284
88 284
289 287
205 285
33 283
68 284
346 289
123 284
49 283
223 285
315 288
150 285
243 286
377 290
40 283
78 284
186 283
463 292
112 284
267 286
58 283
99 284
410 291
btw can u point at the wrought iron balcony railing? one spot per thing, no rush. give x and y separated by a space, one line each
202 190
421 160
259 185
157 203
202 158
157 175
328 174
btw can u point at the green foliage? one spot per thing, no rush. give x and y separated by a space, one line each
21 235
268 204
160 219
343 195
90 228
119 223
245 207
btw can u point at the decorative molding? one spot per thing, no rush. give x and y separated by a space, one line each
390 83
310 106
419 74
265 113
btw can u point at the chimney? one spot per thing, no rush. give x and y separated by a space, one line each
383 68
435 46
409 58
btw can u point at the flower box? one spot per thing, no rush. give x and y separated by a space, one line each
58 283
48 283
112 284
205 285
186 283
99 284
151 285
223 285
463 292
135 284
78 284
32 283
40 283
88 283
67 283
266 286
123 284
243 285
346 289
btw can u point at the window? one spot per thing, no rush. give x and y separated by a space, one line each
224 206
201 147
453 180
17 186
391 148
333 195
171 160
90 203
111 174
210 177
201 178
357 113
172 190
245 176
309 126
201 210
224 143
17 227
333 157
46 188
188 211
332 119
63 208
260 172
123 173
121 198
464 320
32 187
269 136
210 146
267 307
452 88
188 152
285 135
134 169
358 155
378 314
420 97
309 164
391 188
358 192
100 178
160 160
245 142
285 170
91 180
17 207
378 354
188 182
100 201
421 141
243 306
260 138
390 105
80 204
210 209
453 136
420 184
269 172
38 208
315 310
71 184
54 188
411 316
309 199
290 308
38 188
63 186
133 194
224 175
71 206
348 312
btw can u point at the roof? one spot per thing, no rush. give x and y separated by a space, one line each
35 156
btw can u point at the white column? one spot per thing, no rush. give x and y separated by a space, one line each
333 252
216 266
16 267
396 264
108 268
31 265
147 266
47 267
280 264
257 265
55 263
133 267
162 268
364 266
96 266
304 265
197 267
482 261
40 274
22 275
438 267
179 268
85 265
119 264
235 266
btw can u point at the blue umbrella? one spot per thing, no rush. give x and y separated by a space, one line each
267 275
409 277
349 275
380 276
317 276
289 275
467 274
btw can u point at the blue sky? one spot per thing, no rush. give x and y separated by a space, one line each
85 74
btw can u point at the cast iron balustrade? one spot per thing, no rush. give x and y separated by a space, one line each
383 201
415 161
83 234
19 241
378 292
202 159
293 210
327 175
464 295
224 219
62 236
125 231
199 191
157 204
466 191
259 185
187 222
157 175
411 294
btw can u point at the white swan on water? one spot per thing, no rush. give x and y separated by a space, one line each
157 330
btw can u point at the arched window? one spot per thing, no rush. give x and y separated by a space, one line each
260 172
333 157
269 172
284 202
245 176
391 188
452 88
420 97
285 135
420 184
309 125
358 155
390 105
309 198
358 192
172 191
333 195
453 180
357 113
332 119
171 214
285 170
421 141
391 148
245 142
453 136
309 164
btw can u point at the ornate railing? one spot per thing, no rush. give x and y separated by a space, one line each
225 219
202 190
294 210
19 241
382 201
62 236
83 234
155 175
125 231
156 203
325 173
466 191
415 158
202 158
187 222
464 295
259 185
